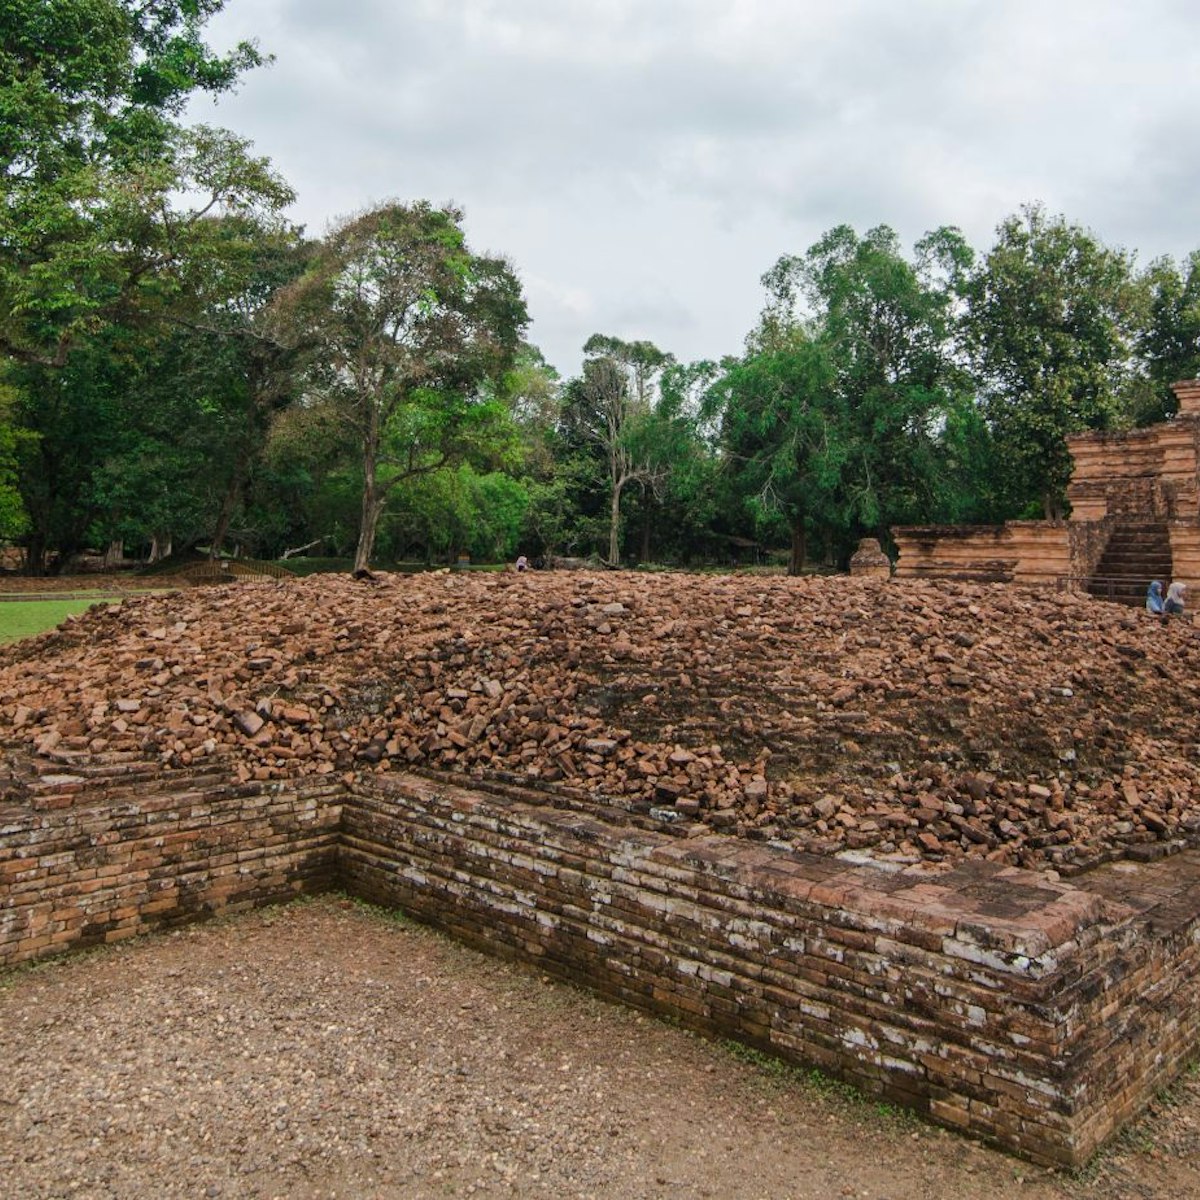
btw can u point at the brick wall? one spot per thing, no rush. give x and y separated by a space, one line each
1031 552
1146 473
91 860
1039 1014
1087 540
1185 555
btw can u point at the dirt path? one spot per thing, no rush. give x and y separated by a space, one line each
323 1050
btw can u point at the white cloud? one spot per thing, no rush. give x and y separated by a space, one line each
643 163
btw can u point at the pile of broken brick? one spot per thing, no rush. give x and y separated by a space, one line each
900 720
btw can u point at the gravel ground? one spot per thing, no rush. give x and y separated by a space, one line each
327 1050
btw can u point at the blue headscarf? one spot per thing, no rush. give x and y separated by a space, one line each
1154 598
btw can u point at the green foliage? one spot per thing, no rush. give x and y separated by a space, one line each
675 519
15 442
787 438
834 421
611 412
1169 341
455 511
101 188
1050 323
404 330
108 210
155 433
887 322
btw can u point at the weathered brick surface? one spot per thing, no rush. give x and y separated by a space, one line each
1033 552
1037 1013
1150 474
87 861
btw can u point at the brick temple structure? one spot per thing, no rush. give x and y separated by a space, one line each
1135 516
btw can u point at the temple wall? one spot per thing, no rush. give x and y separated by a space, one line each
1036 1013
1134 477
1039 1015
1185 555
1036 552
1086 542
85 861
1149 473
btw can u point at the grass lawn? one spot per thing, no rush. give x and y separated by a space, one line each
24 618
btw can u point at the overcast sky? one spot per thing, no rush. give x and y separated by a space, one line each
643 163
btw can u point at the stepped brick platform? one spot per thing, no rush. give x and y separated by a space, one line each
1135 516
1034 1012
1136 552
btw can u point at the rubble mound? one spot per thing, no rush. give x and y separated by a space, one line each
898 720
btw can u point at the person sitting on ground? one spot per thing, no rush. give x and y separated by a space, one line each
522 563
1154 598
1173 606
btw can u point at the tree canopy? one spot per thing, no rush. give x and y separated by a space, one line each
179 365
1051 321
404 330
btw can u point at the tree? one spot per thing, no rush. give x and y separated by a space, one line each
150 431
233 372
551 471
787 437
104 194
848 382
100 185
614 409
405 329
14 520
676 516
1169 343
458 509
1051 318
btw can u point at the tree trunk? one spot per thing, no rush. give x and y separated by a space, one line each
116 553
646 524
228 502
372 499
796 561
614 527
372 508
1051 507
35 554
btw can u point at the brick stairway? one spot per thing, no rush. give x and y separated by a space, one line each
1137 552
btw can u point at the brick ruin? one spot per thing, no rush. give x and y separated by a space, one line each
1035 1013
946 847
1135 516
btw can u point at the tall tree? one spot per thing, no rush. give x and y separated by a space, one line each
855 352
100 185
614 410
675 518
550 470
239 375
788 437
104 193
1169 342
406 331
1051 318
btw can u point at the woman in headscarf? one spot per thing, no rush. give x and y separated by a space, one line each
1173 605
1154 598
